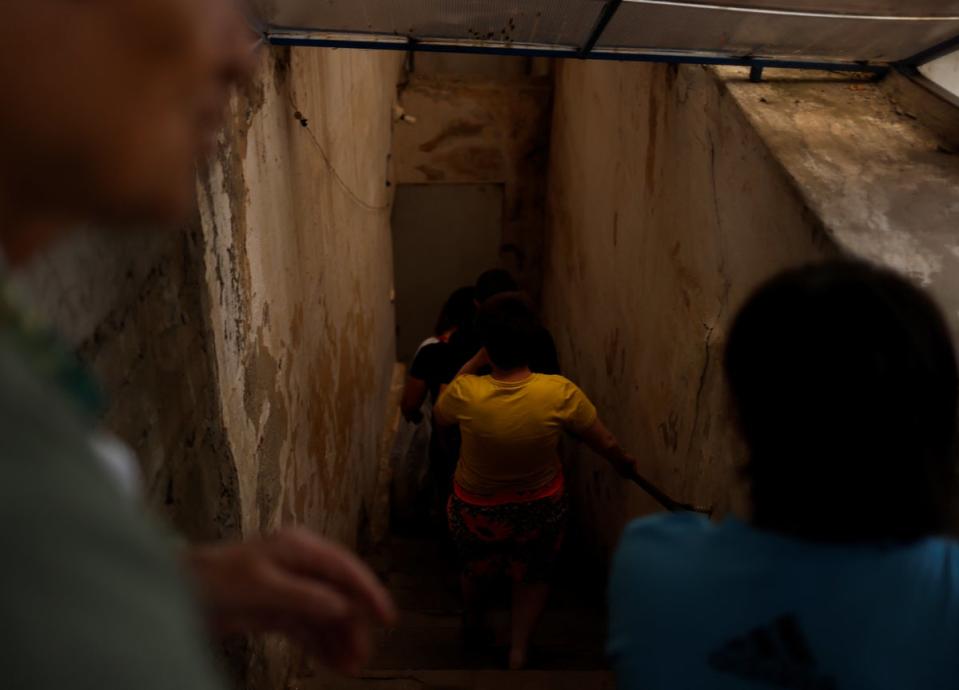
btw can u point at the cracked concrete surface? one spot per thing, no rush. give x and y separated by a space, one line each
885 186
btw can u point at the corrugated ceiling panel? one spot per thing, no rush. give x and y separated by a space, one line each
878 31
531 22
655 25
891 8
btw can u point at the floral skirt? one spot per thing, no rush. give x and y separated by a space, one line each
509 536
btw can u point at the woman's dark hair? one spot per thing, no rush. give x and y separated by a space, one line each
458 313
507 326
845 382
494 282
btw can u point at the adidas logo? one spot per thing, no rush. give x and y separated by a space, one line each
777 655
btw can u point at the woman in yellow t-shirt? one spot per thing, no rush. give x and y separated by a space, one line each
508 511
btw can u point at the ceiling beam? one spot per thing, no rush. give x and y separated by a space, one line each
605 17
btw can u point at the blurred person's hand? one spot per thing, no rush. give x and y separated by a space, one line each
297 584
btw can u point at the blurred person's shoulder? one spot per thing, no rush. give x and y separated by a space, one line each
677 544
670 530
663 543
54 487
38 426
938 561
87 578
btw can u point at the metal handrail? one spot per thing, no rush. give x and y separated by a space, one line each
670 504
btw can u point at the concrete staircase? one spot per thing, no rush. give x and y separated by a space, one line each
426 650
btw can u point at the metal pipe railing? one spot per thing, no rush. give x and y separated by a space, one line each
665 500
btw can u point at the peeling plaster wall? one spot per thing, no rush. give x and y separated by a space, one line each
296 214
483 129
666 209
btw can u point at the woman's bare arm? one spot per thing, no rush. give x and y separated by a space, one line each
603 443
414 395
480 360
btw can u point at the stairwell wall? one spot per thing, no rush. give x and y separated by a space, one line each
666 209
674 192
296 219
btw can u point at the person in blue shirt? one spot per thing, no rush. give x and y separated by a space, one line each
844 379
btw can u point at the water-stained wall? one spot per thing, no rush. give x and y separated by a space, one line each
296 211
665 210
674 192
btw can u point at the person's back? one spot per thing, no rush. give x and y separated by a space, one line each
845 384
509 508
511 429
730 607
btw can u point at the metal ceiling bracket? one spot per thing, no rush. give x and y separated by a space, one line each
933 53
605 17
292 38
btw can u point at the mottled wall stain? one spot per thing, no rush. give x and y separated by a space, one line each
484 130
454 130
299 272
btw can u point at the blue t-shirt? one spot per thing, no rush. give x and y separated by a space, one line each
697 606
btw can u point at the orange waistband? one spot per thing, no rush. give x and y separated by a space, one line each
554 488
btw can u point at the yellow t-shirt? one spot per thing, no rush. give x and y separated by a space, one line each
511 429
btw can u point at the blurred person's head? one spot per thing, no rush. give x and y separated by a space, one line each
105 107
507 327
458 313
494 282
845 383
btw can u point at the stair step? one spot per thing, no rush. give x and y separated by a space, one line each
558 625
460 679
566 639
426 650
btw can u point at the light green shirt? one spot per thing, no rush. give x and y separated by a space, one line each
90 596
